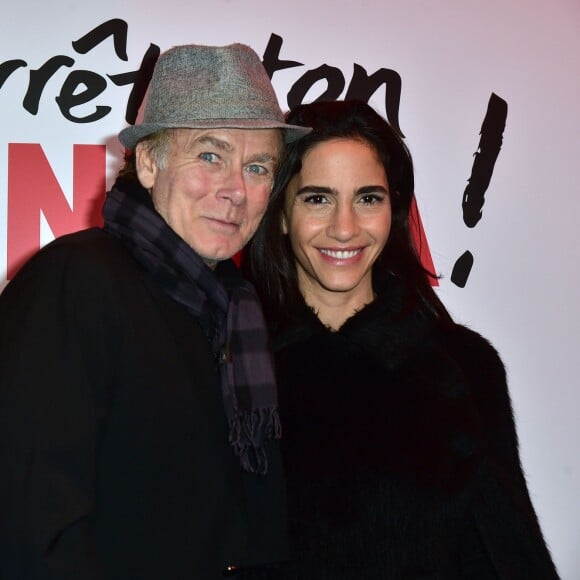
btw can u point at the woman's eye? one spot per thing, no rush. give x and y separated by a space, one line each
315 199
371 198
209 157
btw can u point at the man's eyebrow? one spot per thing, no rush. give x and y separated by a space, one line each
263 158
217 143
227 147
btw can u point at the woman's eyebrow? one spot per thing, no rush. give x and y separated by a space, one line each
315 189
329 190
372 189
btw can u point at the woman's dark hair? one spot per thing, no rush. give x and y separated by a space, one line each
269 261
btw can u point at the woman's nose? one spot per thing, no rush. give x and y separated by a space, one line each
344 223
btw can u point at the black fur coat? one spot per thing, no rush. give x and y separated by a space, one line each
401 451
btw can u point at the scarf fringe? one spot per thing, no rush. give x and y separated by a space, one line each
247 434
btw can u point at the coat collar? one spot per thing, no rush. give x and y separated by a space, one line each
427 403
383 327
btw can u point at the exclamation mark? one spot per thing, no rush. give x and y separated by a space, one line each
484 161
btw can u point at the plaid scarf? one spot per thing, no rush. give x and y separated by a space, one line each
227 308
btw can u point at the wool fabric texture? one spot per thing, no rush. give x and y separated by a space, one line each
415 470
227 308
200 87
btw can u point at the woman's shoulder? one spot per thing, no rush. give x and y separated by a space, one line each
476 355
485 377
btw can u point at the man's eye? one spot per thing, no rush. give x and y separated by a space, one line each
209 157
257 169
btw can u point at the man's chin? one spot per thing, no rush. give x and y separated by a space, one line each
212 259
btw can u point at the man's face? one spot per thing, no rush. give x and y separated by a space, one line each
214 187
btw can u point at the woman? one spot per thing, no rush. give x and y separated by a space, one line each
398 437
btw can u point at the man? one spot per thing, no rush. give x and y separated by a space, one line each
137 406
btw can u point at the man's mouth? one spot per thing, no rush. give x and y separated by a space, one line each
224 222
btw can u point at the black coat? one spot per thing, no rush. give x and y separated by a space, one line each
114 454
400 451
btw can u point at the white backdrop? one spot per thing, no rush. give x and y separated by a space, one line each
451 56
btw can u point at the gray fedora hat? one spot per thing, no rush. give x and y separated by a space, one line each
198 87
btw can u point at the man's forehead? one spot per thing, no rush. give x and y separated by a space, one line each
229 139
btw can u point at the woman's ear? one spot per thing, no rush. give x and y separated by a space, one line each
145 166
283 222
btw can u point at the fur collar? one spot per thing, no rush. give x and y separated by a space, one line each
427 405
382 327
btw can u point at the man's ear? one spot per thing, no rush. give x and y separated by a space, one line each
145 166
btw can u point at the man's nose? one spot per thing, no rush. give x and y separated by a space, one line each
234 186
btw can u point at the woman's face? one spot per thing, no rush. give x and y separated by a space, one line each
337 213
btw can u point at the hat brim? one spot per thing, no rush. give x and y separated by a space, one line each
130 136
